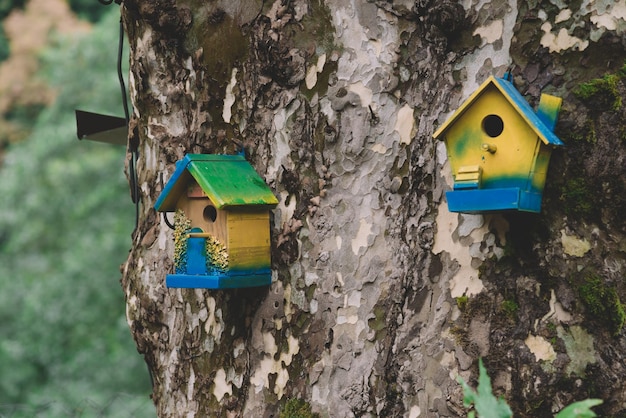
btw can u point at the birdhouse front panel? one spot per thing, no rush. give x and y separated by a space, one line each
493 136
221 233
499 149
203 214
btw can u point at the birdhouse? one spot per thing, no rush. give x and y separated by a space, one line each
499 149
221 223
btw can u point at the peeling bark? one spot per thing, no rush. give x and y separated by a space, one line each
380 297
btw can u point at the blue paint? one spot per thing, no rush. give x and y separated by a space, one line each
196 254
226 280
500 187
465 185
490 200
196 274
524 108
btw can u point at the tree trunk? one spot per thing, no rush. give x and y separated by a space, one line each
380 297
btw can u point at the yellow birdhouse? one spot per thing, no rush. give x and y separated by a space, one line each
499 149
221 225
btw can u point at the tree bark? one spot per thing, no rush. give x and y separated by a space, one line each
380 297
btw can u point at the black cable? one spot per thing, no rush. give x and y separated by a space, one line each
167 221
132 146
119 70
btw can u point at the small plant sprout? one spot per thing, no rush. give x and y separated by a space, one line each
580 409
483 402
485 405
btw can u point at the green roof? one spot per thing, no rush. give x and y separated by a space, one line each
228 180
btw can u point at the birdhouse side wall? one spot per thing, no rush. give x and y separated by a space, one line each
249 239
540 168
194 207
510 164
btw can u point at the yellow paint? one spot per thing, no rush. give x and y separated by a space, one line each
539 169
245 232
465 137
548 109
248 239
469 173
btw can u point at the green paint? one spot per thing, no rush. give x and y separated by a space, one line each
469 140
229 180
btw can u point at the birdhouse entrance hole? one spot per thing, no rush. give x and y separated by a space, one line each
222 223
493 170
210 213
493 125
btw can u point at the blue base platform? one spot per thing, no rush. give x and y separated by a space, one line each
493 200
218 281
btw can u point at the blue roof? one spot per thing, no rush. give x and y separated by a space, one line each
522 106
540 124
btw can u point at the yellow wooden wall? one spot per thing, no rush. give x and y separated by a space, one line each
516 145
245 232
249 239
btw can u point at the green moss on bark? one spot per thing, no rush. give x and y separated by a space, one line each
297 408
603 92
603 302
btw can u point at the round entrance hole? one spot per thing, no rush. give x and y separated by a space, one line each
492 125
210 214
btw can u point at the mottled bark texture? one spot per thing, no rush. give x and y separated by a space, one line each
381 297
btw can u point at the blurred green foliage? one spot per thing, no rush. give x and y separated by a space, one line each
91 10
6 6
4 44
65 225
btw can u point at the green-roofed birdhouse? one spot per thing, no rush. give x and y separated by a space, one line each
221 223
499 149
